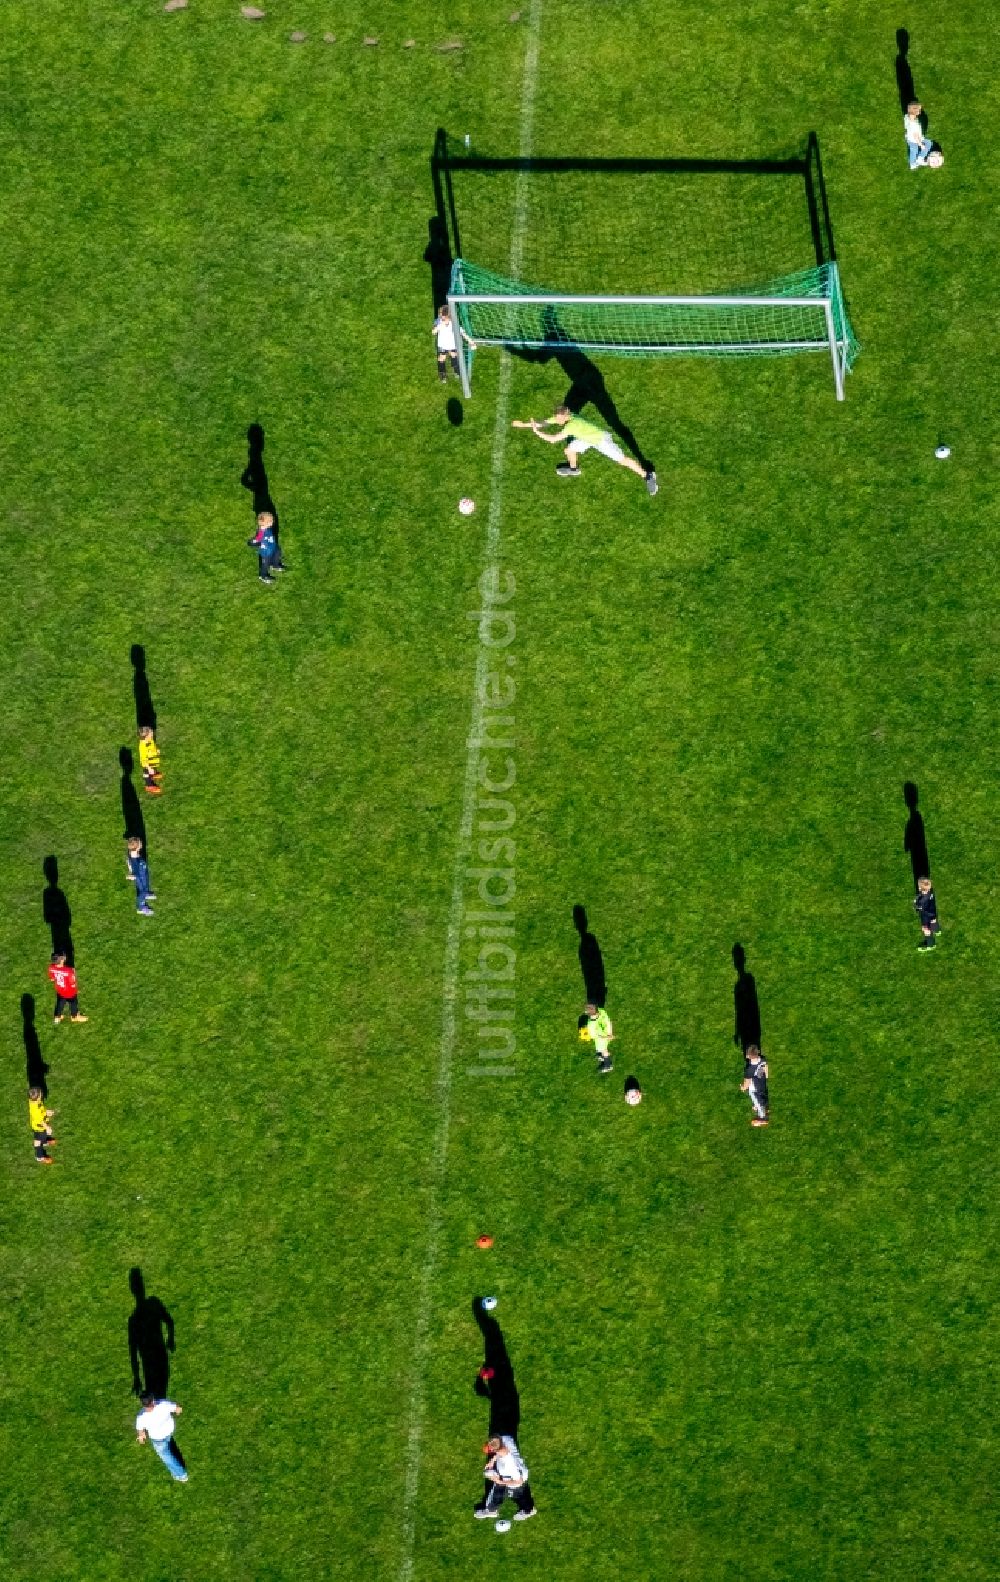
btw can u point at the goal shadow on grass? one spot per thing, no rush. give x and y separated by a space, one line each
682 218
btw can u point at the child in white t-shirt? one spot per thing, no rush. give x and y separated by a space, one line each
156 1423
506 1478
918 145
447 346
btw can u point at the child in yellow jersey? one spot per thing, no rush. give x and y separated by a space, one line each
149 760
38 1120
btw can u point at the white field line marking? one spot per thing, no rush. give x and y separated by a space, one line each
452 949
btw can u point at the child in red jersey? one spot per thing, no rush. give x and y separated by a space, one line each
64 979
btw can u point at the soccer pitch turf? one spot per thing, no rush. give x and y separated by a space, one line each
755 1355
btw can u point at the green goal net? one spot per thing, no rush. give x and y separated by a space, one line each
793 313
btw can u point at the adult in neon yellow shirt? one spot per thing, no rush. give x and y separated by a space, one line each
578 436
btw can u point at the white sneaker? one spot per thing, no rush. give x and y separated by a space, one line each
525 1516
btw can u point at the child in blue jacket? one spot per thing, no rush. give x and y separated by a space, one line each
265 542
926 909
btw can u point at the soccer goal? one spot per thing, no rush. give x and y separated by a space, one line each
786 316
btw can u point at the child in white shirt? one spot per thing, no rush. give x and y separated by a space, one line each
918 146
447 347
506 1478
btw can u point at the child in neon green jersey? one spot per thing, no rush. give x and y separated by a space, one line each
599 1030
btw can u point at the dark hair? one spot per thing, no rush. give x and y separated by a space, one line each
147 1399
58 955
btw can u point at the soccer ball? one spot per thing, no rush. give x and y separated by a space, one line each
503 1527
466 506
943 452
489 1303
633 1096
935 159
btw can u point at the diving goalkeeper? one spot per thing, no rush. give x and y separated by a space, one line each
578 436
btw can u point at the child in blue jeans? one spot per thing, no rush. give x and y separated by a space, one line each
138 870
918 145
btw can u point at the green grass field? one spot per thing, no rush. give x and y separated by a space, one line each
741 1355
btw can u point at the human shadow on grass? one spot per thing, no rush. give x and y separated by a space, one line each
587 386
150 1340
145 713
35 1067
135 824
254 478
904 76
591 961
56 912
915 837
438 255
747 1007
495 1380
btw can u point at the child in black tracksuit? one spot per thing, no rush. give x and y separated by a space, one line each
926 909
755 1083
